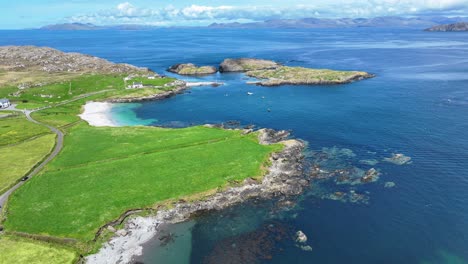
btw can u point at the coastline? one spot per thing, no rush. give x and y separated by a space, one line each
284 178
158 96
98 114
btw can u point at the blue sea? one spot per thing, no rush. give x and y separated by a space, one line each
417 105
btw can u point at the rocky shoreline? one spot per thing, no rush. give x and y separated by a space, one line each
159 96
285 177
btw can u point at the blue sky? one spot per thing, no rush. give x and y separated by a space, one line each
35 13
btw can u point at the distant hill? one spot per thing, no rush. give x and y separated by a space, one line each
89 26
461 26
379 22
399 22
71 26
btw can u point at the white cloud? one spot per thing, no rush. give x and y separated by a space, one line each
198 14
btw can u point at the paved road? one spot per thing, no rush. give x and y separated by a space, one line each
57 148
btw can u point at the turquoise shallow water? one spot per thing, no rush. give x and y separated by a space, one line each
417 105
124 115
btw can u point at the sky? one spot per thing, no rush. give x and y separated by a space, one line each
18 14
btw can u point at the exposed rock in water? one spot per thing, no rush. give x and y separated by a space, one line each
301 237
461 26
31 58
192 69
398 159
389 185
285 178
371 175
247 64
285 75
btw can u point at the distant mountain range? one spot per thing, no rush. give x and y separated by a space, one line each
462 26
89 26
397 22
380 22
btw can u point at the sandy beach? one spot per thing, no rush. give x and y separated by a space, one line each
98 114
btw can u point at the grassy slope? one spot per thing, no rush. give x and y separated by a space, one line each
129 168
17 128
20 250
57 92
153 82
21 158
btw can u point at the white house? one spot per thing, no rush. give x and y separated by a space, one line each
4 103
136 85
151 77
128 78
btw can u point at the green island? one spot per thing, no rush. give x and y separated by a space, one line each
285 75
101 172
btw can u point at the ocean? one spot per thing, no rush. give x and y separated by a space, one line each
417 105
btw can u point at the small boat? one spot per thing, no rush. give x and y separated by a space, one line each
249 93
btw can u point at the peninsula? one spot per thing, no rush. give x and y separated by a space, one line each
64 203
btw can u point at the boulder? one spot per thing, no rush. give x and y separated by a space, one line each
301 237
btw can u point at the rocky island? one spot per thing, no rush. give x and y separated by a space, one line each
271 73
247 64
456 27
192 69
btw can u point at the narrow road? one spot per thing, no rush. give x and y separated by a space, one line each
58 146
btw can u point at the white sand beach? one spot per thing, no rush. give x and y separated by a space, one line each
98 114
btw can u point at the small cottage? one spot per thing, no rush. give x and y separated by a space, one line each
151 77
4 103
136 85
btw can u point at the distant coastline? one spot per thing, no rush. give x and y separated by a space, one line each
308 22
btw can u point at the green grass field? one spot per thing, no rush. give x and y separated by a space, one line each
25 251
153 82
102 172
56 92
17 128
21 158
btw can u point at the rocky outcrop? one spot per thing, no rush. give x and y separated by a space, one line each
285 178
31 58
247 64
192 69
461 26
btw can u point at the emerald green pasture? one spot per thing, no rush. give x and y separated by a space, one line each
26 251
153 82
102 172
57 92
17 128
21 158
